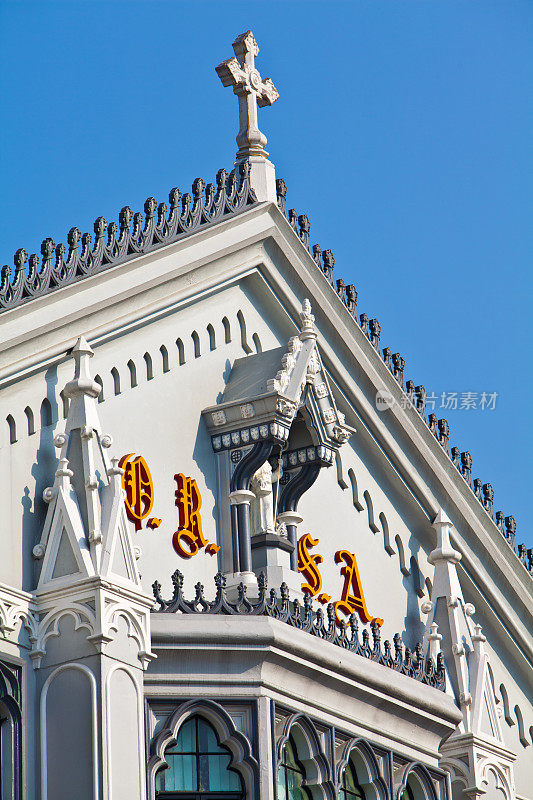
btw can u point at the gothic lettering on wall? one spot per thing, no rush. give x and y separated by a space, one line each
189 538
308 566
352 597
139 488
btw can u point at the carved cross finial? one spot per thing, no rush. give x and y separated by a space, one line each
252 91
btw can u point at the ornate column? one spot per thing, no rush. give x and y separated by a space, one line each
240 498
312 460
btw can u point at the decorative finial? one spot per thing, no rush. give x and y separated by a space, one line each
510 530
82 391
444 550
82 383
252 91
307 324
466 463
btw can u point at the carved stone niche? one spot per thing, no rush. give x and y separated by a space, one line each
279 485
275 426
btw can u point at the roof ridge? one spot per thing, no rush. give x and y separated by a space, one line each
231 194
415 395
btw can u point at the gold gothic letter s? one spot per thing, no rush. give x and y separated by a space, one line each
308 566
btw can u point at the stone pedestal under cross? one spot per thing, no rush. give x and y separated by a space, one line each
252 91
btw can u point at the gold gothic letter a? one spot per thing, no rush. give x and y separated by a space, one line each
352 598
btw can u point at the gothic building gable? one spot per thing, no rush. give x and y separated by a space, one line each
210 609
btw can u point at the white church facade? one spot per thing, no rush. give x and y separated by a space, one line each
238 557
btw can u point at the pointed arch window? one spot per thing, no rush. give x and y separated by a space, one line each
47 418
350 788
30 420
12 429
10 732
198 767
291 774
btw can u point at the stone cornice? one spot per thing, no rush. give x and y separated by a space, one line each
305 618
279 659
457 743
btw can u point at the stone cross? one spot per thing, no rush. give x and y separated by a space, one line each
252 91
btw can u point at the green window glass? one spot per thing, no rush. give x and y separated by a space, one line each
350 789
198 767
291 775
407 794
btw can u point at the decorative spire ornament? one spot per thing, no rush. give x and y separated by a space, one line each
252 91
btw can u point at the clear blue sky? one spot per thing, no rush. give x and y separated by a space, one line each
403 130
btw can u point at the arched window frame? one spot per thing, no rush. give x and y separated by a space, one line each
355 494
386 534
257 343
227 330
370 512
212 337
294 766
340 471
181 351
164 358
116 380
244 339
347 792
133 374
99 381
65 402
364 762
10 694
233 740
416 783
318 779
46 414
12 425
196 344
404 569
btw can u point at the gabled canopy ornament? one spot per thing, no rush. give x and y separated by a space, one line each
265 392
279 423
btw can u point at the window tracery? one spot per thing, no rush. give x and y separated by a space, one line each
350 788
291 774
198 766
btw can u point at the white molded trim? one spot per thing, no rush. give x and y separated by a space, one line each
140 730
94 730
